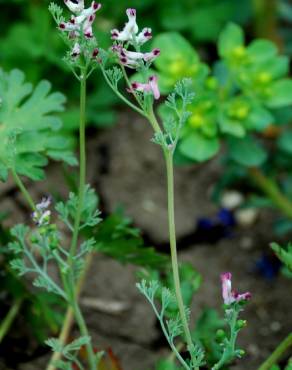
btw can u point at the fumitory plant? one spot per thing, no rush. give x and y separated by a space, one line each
25 152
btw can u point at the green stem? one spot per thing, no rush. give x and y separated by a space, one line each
84 332
173 249
275 356
271 188
82 164
9 318
130 86
153 120
22 188
121 96
68 321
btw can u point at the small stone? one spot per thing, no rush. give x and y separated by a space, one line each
231 199
275 326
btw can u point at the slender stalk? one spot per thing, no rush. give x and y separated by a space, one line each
69 317
173 249
82 164
22 188
9 318
121 96
278 352
130 86
84 332
270 187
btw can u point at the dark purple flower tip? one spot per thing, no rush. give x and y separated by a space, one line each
123 60
62 26
72 20
156 52
226 276
134 85
131 12
148 34
115 34
96 6
88 35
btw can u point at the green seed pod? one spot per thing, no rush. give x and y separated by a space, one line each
241 324
220 334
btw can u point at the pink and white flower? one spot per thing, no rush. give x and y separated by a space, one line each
132 59
130 31
230 296
83 21
41 216
150 87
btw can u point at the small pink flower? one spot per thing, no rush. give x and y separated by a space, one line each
229 295
150 87
76 50
132 59
81 22
130 31
144 36
149 57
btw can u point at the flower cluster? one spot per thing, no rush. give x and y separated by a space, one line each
41 216
130 36
80 24
230 296
130 32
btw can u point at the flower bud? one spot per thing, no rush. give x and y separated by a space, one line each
240 353
241 324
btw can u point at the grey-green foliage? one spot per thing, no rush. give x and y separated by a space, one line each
34 250
114 75
29 126
177 114
171 327
69 351
89 215
228 339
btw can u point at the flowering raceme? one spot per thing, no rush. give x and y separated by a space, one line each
79 24
129 33
230 296
135 59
